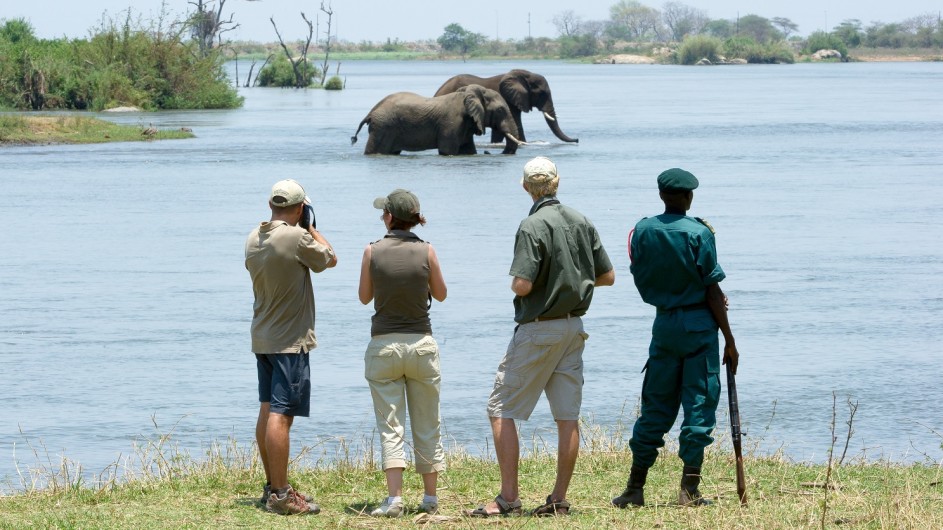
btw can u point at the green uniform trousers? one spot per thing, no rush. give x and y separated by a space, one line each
683 371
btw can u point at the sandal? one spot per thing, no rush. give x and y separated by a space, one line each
552 507
504 508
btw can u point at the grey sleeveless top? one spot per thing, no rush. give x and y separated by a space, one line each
399 268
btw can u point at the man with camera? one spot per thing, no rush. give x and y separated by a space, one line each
279 255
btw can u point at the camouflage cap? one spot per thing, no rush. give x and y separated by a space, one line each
676 179
402 204
287 193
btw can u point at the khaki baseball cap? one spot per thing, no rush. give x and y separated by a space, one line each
287 193
540 170
402 204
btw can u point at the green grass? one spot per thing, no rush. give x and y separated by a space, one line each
42 130
165 488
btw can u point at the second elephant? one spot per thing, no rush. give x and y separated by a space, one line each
409 122
522 90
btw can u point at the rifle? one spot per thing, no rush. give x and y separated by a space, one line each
735 435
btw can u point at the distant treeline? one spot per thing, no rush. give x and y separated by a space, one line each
677 33
179 64
122 64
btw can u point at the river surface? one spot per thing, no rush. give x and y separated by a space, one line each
125 305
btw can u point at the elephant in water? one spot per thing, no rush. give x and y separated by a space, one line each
522 90
409 122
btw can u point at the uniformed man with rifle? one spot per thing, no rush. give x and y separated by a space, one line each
674 266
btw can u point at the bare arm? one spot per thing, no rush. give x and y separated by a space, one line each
717 303
320 239
606 278
521 287
436 282
366 282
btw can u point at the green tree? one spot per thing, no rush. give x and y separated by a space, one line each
17 31
578 46
849 32
758 28
720 28
785 25
460 40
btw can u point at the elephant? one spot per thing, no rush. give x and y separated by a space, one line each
522 90
405 121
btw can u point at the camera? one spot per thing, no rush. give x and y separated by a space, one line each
307 215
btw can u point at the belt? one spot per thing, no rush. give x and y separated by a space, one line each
541 319
689 307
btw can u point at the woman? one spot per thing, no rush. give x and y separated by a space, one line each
401 274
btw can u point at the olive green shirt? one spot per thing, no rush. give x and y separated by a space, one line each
278 257
399 268
559 251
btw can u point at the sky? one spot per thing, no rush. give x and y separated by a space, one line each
411 20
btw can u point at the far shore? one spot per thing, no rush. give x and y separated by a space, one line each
17 129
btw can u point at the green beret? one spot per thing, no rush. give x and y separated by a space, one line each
676 179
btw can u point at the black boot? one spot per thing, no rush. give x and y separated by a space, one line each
689 494
633 494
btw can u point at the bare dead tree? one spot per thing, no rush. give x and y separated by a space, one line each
207 25
327 43
300 75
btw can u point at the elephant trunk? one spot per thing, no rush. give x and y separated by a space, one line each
554 124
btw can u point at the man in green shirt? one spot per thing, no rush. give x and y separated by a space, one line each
558 261
674 266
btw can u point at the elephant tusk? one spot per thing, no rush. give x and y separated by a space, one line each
515 140
549 117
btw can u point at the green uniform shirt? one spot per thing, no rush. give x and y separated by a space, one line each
559 251
674 259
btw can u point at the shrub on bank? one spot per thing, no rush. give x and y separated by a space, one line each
279 73
697 47
334 83
119 65
821 40
773 52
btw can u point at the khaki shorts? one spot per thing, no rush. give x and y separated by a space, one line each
546 357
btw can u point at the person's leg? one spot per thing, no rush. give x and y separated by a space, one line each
568 448
394 481
260 429
661 402
430 483
423 382
507 448
700 395
277 446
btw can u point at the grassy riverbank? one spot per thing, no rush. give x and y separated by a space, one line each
166 489
43 130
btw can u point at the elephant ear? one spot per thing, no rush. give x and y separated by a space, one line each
475 110
514 90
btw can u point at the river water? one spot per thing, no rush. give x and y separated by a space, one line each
124 301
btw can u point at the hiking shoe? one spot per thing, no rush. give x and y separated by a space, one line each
290 503
431 508
389 509
267 490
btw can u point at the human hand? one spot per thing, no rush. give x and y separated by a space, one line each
731 356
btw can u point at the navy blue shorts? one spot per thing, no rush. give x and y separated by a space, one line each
285 382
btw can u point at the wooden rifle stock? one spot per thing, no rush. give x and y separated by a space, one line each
736 435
